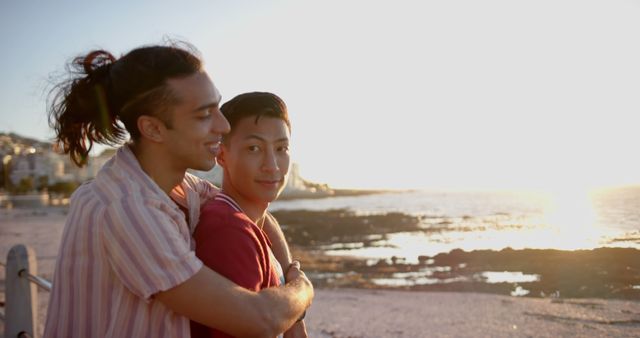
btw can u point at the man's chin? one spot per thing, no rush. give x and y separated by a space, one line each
268 198
205 167
275 197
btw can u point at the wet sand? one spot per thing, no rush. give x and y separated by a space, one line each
384 313
349 312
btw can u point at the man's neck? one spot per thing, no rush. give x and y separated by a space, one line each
255 211
165 176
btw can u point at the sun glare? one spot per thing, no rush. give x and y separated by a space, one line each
571 219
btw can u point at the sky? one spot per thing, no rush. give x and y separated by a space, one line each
382 94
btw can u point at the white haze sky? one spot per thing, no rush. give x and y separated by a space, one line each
383 94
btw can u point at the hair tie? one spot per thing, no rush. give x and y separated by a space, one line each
98 60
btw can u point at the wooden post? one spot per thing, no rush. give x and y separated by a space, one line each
21 295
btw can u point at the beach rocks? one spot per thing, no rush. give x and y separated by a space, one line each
306 227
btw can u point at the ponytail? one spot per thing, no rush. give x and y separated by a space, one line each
81 113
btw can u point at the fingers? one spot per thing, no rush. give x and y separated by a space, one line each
294 265
293 271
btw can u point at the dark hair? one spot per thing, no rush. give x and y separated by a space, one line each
102 92
256 104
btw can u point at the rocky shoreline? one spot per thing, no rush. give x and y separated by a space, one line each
607 273
598 273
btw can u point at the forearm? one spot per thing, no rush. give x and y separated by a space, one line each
214 301
298 294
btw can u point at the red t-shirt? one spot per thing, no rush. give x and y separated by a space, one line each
228 242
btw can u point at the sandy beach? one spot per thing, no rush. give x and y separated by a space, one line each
385 313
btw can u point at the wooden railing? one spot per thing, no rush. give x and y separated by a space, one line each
21 292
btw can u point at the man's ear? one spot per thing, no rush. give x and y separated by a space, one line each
151 128
220 158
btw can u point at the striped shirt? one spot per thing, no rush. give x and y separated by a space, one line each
124 241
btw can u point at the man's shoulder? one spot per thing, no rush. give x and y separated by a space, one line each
222 227
85 196
217 214
217 209
109 195
121 177
118 183
193 182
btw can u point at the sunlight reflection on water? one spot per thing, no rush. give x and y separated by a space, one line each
493 277
423 278
567 219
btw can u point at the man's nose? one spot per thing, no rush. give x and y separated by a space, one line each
270 162
220 124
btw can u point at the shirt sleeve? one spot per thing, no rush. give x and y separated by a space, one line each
230 248
205 189
147 248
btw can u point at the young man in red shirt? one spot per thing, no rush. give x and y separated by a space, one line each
255 158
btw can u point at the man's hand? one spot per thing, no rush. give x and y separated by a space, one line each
294 272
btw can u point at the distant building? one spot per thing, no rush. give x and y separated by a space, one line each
28 163
24 158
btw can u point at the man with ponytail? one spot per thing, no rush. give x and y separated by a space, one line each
126 265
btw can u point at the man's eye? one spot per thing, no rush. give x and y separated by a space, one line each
253 148
283 148
207 113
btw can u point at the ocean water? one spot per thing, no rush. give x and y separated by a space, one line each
568 220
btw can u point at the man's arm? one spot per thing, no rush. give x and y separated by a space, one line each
214 301
278 242
281 250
